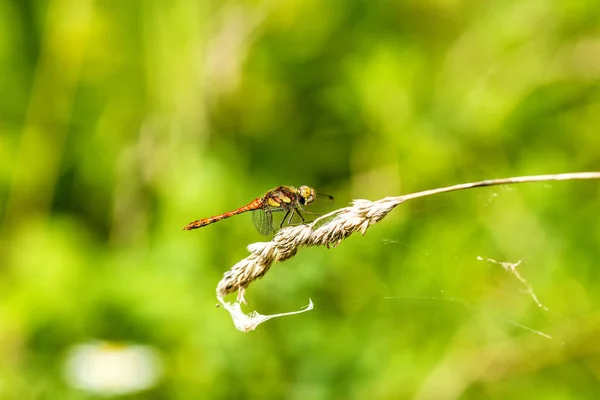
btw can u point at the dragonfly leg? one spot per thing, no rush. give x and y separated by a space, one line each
300 215
284 218
292 215
307 212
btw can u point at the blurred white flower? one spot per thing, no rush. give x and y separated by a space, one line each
108 368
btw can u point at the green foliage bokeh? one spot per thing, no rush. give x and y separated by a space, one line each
120 122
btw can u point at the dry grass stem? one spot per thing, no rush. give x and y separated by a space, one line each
331 229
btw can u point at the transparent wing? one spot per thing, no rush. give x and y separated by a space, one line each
322 205
263 221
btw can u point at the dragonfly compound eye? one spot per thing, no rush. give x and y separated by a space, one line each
307 194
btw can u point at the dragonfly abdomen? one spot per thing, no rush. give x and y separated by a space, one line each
253 205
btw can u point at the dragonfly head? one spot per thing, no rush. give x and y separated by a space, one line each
307 195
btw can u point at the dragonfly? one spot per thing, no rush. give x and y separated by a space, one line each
280 206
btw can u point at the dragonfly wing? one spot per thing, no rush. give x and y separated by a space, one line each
322 205
263 221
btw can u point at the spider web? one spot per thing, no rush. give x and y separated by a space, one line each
519 287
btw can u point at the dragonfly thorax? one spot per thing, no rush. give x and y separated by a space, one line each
307 194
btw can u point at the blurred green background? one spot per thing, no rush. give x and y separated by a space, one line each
120 122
